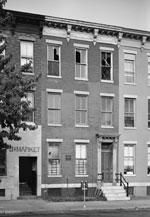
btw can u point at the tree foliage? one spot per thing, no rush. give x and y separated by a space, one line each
14 86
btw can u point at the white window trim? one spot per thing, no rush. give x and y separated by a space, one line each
112 95
130 51
134 143
81 47
54 140
81 93
78 92
111 50
130 96
106 49
81 141
107 94
27 39
54 90
53 43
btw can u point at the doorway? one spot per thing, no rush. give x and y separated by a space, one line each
27 176
107 162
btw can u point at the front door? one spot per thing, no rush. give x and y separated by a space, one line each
27 175
107 163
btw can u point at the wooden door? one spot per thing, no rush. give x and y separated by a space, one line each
107 169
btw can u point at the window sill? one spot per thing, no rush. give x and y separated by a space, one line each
28 73
82 126
130 83
50 76
81 79
130 175
130 128
55 176
55 125
81 175
107 81
107 127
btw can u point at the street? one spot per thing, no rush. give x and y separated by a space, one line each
92 213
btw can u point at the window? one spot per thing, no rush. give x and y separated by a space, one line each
81 63
27 55
148 113
149 70
30 98
129 68
54 108
2 162
53 60
129 115
106 66
54 158
148 159
129 159
81 109
81 161
107 110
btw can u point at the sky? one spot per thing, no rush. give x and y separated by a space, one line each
126 13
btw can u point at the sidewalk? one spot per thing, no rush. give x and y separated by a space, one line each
42 206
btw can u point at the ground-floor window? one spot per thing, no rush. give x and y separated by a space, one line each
54 158
129 159
148 159
81 161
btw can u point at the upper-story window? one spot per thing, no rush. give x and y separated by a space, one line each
129 112
106 64
107 111
129 68
54 60
148 70
27 55
81 108
81 69
30 99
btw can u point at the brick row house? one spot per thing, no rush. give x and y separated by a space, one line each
91 124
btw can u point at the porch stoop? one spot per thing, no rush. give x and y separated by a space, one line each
113 192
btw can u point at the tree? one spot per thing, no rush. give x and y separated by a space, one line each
14 86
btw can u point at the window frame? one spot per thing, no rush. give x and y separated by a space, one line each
107 96
58 44
148 158
56 167
134 112
80 48
85 110
81 169
110 51
130 56
130 158
26 57
54 92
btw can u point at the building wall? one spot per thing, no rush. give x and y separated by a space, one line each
68 131
139 135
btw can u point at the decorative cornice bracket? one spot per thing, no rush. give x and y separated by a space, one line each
120 36
95 34
69 27
144 38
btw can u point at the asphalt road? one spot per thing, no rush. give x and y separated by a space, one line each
97 213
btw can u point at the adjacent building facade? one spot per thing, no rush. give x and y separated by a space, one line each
92 107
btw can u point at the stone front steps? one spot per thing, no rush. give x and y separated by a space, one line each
114 192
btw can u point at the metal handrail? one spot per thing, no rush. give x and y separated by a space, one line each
121 179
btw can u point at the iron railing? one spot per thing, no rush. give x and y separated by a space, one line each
120 179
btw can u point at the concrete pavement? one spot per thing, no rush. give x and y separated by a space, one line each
44 206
